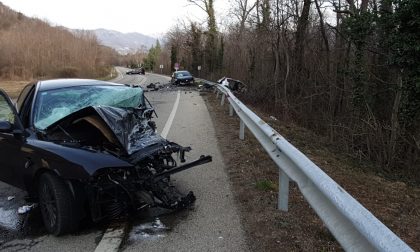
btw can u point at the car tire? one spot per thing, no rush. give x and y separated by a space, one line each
57 205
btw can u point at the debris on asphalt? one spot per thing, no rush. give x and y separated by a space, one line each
149 231
10 198
26 208
154 86
158 224
273 118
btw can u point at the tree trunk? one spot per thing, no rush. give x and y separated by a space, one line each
300 34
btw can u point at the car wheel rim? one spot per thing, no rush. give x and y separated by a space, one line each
48 205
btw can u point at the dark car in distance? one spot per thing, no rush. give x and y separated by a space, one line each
182 78
136 71
88 148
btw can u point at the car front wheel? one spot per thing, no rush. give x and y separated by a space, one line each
57 205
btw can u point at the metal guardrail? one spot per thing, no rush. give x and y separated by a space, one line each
354 227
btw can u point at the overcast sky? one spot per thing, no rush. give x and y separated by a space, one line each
150 17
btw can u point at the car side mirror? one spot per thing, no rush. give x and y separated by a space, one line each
5 127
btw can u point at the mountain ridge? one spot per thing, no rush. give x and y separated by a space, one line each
124 43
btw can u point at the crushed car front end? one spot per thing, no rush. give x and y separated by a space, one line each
122 131
115 191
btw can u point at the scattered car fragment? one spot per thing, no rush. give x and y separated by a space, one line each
232 84
154 86
26 208
88 148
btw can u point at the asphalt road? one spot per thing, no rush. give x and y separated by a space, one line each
212 224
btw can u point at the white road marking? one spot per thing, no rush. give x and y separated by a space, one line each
120 75
111 241
168 123
143 80
113 236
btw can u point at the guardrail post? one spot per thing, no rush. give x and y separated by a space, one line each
215 90
223 100
230 110
283 200
217 95
242 130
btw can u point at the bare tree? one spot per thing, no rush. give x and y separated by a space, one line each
300 34
242 10
212 34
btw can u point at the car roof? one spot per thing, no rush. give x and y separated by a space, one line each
64 83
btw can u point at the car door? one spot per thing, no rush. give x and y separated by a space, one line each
11 141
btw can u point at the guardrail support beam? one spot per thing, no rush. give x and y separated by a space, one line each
223 100
230 110
283 200
242 130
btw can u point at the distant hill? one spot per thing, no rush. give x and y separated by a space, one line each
124 42
32 49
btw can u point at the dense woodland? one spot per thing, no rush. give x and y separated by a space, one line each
347 69
32 49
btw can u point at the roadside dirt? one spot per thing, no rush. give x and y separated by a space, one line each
254 178
12 88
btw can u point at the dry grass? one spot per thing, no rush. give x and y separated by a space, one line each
12 88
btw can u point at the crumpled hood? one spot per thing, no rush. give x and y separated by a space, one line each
129 126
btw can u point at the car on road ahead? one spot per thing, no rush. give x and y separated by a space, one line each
136 71
182 78
87 148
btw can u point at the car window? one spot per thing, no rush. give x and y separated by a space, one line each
23 96
183 74
52 105
6 112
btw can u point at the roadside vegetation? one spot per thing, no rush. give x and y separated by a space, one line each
33 49
254 179
347 70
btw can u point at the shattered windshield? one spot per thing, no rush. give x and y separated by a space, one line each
52 105
183 74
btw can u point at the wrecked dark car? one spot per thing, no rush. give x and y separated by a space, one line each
234 85
88 149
